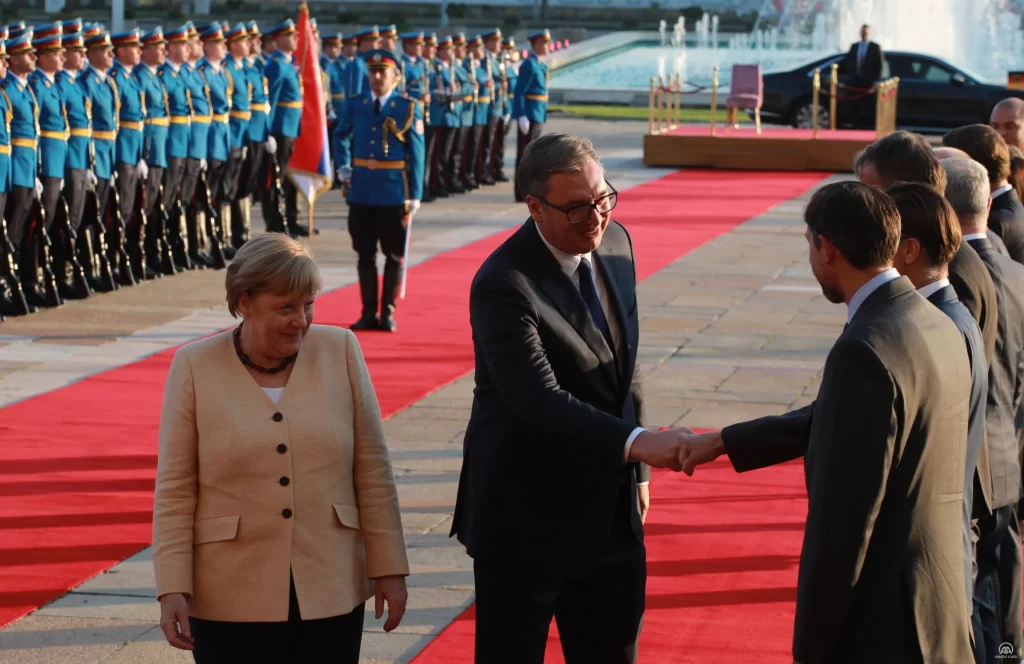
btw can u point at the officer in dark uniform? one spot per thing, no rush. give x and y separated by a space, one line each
131 167
385 171
530 104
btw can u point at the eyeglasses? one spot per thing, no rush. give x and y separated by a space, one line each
578 214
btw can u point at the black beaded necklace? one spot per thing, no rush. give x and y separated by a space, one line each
237 335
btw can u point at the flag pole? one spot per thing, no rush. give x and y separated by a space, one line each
309 212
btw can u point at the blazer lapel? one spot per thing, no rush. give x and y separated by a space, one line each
944 295
615 282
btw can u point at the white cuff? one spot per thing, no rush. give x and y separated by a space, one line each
629 442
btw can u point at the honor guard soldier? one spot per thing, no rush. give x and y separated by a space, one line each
256 57
389 40
12 297
510 56
385 172
102 97
154 148
331 45
349 48
257 133
445 107
78 174
198 151
131 167
179 111
358 73
429 53
494 167
478 151
414 66
285 119
457 164
25 185
240 85
530 105
52 122
211 72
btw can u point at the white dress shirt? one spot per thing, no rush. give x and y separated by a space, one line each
102 75
867 289
975 236
48 75
569 264
384 100
1000 191
928 290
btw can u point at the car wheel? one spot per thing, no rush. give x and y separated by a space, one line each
803 115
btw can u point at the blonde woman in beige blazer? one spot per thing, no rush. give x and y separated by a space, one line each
276 515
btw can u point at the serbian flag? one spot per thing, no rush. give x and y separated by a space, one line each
309 168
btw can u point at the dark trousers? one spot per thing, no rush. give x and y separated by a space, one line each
154 180
430 144
19 204
498 149
51 196
252 168
189 179
174 175
334 640
76 184
370 225
484 169
997 609
127 183
474 147
524 140
285 145
599 611
457 165
229 182
443 175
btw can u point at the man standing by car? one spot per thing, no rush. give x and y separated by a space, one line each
864 64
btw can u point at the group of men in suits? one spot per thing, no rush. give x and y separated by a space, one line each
130 156
911 450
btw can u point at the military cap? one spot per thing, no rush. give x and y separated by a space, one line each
286 27
237 33
3 49
414 37
3 33
97 37
475 41
351 40
47 30
212 33
154 37
447 42
381 58
492 34
539 35
177 35
367 33
16 29
126 38
509 44
72 25
389 31
73 41
192 31
459 39
254 29
332 40
431 39
20 44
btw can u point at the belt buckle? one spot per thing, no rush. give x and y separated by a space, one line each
371 164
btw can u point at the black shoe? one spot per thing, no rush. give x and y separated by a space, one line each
501 177
457 188
429 198
366 323
441 193
488 181
68 292
388 324
229 252
295 229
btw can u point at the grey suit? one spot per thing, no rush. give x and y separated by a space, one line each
881 573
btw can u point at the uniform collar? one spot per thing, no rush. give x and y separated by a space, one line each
383 98
70 73
174 67
152 70
22 81
102 75
239 63
48 77
284 56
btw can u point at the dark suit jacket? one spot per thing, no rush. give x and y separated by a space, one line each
543 477
975 290
881 572
1006 219
1006 376
871 67
945 299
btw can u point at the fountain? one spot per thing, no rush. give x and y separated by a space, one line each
661 30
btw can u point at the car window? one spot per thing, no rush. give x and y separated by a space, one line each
920 69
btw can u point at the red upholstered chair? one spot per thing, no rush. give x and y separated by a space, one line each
746 91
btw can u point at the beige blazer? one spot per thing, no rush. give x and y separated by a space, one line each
246 490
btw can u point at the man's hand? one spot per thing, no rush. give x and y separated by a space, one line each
392 590
93 180
142 169
643 495
660 449
700 448
524 125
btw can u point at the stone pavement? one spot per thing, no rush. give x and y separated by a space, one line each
733 330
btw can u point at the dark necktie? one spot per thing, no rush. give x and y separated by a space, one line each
588 289
376 106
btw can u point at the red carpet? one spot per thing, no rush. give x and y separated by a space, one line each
77 464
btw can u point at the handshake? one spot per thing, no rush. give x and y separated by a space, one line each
677 448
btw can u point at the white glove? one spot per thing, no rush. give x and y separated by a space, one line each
270 145
62 184
412 206
506 118
331 115
344 173
39 189
202 165
91 177
524 125
245 151
142 169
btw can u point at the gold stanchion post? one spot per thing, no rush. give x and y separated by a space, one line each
815 103
650 111
833 86
678 113
714 98
666 102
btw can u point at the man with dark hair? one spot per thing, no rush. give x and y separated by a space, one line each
987 147
884 447
553 493
997 598
864 63
901 156
930 238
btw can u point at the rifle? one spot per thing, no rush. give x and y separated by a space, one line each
137 255
37 223
97 260
9 270
68 253
203 205
166 260
114 224
405 254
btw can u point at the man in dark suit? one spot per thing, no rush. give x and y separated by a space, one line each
930 237
864 63
997 596
1006 217
884 447
551 498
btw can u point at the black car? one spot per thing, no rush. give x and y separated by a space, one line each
933 94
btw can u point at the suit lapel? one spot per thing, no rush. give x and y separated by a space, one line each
614 281
944 295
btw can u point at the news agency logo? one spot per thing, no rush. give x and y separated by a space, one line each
1006 652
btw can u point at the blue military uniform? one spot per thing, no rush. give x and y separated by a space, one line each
464 82
445 106
175 80
12 296
256 136
478 152
240 87
385 166
216 82
78 105
357 71
219 88
414 68
285 98
155 133
493 162
530 104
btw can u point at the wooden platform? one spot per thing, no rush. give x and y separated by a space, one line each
776 149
